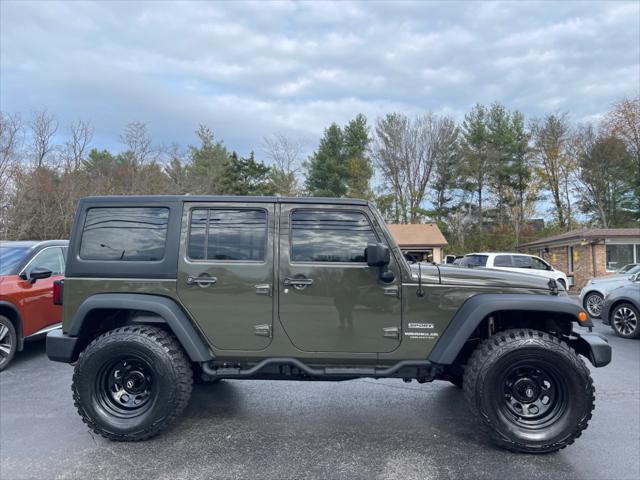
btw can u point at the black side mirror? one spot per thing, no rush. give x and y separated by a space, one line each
39 273
378 255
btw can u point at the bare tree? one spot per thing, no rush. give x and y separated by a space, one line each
624 122
44 127
406 150
285 156
10 140
551 139
138 142
80 137
10 143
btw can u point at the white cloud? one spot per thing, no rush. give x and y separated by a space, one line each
251 69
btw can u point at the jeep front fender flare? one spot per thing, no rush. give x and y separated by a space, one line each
478 307
166 309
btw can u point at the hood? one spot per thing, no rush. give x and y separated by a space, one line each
610 278
484 277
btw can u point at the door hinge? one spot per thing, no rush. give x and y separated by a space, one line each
263 289
393 291
391 332
263 330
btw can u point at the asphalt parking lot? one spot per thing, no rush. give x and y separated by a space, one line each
357 429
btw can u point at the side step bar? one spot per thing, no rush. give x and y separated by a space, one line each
423 368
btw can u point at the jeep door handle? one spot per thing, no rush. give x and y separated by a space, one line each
297 282
201 280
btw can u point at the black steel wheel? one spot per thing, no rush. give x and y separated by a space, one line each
124 387
593 304
533 395
530 391
8 342
625 321
132 382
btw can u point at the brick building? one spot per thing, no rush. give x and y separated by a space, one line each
424 241
584 254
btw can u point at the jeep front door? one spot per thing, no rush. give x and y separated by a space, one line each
225 274
330 300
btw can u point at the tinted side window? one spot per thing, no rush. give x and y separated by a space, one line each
227 234
329 236
125 233
502 261
521 261
538 264
50 258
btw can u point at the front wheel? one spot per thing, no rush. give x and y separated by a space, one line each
625 321
530 391
131 383
8 342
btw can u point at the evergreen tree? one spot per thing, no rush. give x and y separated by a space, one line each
327 169
475 153
245 176
207 162
356 145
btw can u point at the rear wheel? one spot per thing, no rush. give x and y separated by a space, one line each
625 321
131 383
8 341
530 391
593 304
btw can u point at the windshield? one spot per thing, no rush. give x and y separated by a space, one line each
631 268
474 261
10 258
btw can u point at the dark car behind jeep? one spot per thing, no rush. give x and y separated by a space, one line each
159 289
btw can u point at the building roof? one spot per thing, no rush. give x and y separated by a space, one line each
418 235
585 235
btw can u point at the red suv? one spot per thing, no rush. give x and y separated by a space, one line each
28 271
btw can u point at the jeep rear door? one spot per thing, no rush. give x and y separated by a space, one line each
225 272
329 299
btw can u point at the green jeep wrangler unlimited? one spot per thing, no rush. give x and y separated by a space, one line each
159 289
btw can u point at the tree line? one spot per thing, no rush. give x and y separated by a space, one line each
485 180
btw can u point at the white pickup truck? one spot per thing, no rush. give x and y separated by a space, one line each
515 262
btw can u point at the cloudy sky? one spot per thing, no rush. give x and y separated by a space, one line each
252 69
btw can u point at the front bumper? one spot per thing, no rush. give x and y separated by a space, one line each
593 346
61 347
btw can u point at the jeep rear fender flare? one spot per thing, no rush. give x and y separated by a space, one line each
477 308
167 311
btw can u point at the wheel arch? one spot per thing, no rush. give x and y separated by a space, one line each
484 314
105 311
9 310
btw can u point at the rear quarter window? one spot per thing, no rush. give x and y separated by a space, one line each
124 234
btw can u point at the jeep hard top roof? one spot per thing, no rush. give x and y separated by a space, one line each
223 198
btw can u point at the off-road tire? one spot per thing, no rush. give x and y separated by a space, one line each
8 341
631 330
513 350
169 382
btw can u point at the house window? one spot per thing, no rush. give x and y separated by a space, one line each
570 259
617 256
